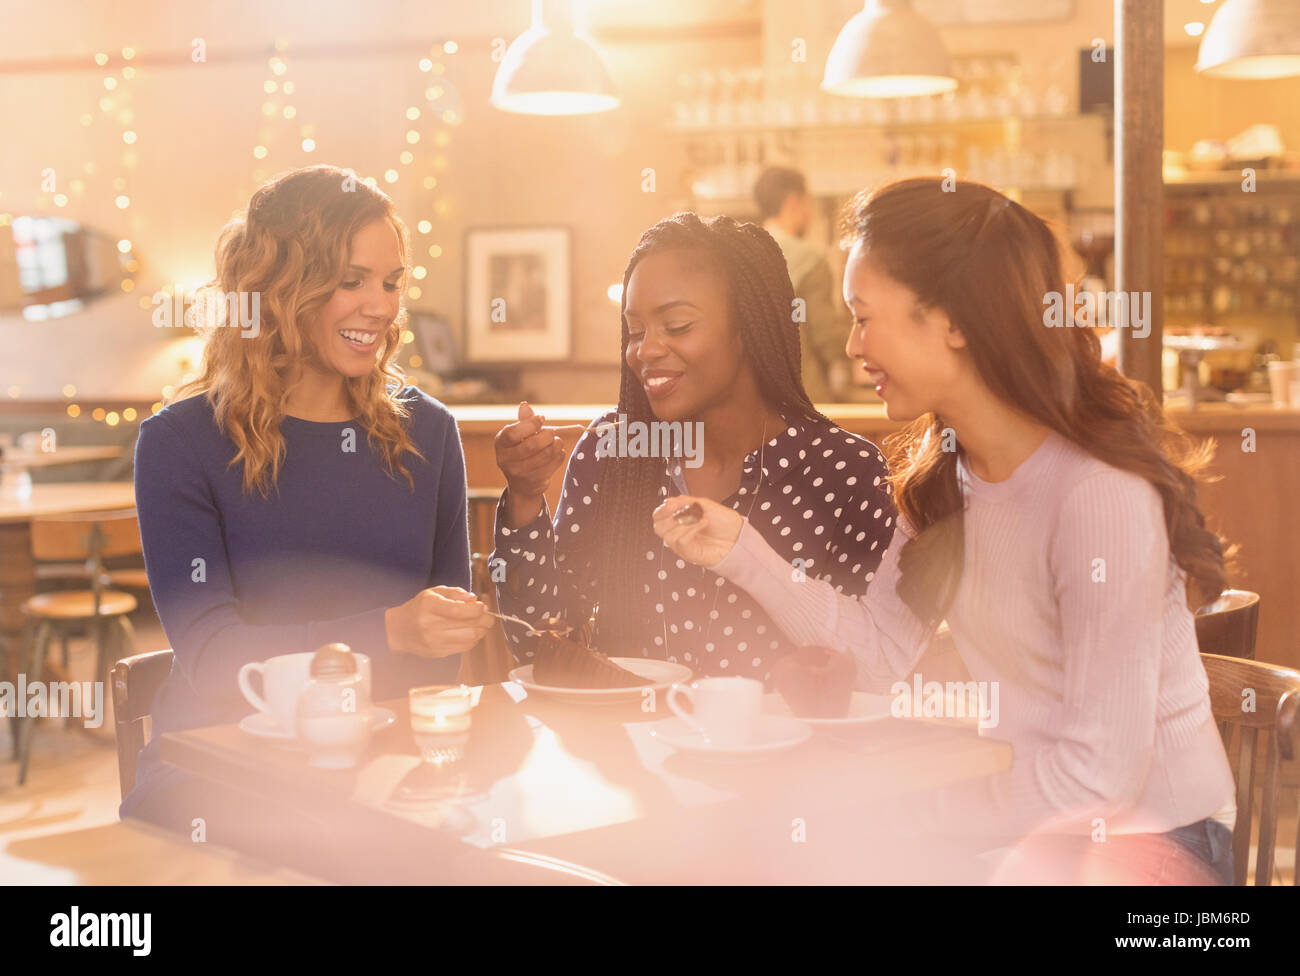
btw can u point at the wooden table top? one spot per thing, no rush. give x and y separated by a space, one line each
76 454
591 785
134 853
68 497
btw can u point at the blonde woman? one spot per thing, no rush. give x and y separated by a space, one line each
297 493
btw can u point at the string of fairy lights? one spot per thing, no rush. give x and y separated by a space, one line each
115 104
430 118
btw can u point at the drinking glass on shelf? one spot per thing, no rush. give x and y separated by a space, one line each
751 101
724 108
705 112
684 104
440 722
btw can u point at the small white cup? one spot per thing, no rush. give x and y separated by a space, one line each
726 709
283 679
1280 376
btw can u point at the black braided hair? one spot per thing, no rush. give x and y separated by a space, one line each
760 305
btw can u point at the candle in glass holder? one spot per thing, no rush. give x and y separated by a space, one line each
440 722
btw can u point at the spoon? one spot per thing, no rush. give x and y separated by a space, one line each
562 629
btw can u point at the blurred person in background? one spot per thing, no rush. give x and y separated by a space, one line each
785 208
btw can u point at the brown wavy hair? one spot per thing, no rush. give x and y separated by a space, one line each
989 263
291 247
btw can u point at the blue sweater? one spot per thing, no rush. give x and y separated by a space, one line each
318 561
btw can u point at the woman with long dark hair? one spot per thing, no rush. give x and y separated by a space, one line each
710 343
1048 514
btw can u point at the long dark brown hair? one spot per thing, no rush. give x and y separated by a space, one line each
989 264
760 301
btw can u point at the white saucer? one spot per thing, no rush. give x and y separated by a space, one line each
775 734
863 709
663 674
264 726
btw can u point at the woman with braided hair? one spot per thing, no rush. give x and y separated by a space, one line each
708 339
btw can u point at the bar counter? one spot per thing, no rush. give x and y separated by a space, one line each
1252 504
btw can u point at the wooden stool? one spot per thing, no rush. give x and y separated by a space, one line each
92 536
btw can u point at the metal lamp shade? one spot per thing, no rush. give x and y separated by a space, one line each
888 50
546 72
1252 39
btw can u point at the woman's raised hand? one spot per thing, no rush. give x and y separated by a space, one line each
704 541
528 454
437 622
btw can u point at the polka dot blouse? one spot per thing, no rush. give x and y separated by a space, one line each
821 501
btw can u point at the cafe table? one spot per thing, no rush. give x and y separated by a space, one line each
15 459
17 568
590 785
133 853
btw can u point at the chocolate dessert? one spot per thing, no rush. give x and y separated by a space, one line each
816 682
565 663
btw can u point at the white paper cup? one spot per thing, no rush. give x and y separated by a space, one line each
1280 376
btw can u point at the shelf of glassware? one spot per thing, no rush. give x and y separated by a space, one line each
832 127
736 203
840 159
1229 253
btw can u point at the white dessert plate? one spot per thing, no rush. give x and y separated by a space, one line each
663 674
863 709
774 735
264 726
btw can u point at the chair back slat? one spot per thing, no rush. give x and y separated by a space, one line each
1259 702
68 537
482 504
135 682
1267 821
1245 763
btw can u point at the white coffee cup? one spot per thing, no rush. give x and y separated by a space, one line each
1280 376
726 709
283 679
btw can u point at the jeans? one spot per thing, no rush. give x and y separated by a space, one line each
1211 842
1197 854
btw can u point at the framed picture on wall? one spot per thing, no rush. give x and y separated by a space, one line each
435 340
517 301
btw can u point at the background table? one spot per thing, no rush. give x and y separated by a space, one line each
20 460
589 784
134 853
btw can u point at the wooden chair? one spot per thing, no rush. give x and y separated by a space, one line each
1228 625
491 659
91 537
1275 694
61 549
482 515
135 682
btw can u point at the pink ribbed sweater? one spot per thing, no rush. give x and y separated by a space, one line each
1101 690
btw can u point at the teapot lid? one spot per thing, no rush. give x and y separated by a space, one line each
333 660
